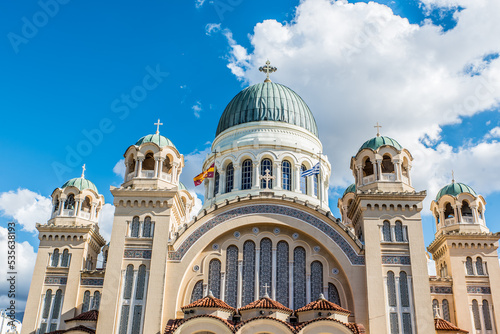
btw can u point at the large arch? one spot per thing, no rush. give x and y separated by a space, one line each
264 325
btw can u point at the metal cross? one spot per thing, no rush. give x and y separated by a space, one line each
83 171
378 129
452 176
267 177
158 126
267 69
266 286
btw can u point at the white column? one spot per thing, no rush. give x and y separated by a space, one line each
475 214
273 271
379 167
92 211
205 289
61 205
409 175
393 233
175 166
278 180
136 169
160 167
77 209
297 179
290 279
257 272
397 170
223 285
211 185
325 291
156 168
240 282
256 174
222 182
237 177
139 168
308 288
375 170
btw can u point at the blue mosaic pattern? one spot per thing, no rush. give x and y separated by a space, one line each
265 273
282 273
485 290
333 294
231 295
316 279
197 291
137 254
299 277
444 290
56 280
214 277
324 227
404 260
248 272
92 281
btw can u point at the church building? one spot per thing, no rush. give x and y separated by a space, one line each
265 253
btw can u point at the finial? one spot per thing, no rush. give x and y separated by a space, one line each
265 286
210 294
378 129
83 171
267 177
267 69
158 127
321 297
452 176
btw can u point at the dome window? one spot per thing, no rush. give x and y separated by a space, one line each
70 202
448 211
287 175
229 178
466 210
387 165
303 181
56 205
246 175
131 166
367 168
148 165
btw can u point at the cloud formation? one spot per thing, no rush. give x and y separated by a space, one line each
26 207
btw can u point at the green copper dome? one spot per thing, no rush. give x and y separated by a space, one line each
80 183
157 139
455 189
378 141
182 186
350 189
267 101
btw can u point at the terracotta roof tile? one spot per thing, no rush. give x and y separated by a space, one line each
172 325
267 303
323 305
441 324
77 328
287 324
208 302
355 328
91 315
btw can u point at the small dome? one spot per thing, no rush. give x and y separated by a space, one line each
455 189
379 141
158 139
267 101
80 183
350 189
182 186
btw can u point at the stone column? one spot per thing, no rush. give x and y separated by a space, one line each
256 174
136 169
223 285
375 170
297 179
379 168
139 168
308 288
160 167
397 170
409 175
240 282
155 174
273 271
211 186
175 166
278 180
441 217
475 214
290 279
237 177
458 213
77 209
360 175
62 200
257 273
92 211
222 182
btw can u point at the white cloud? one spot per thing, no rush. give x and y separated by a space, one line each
26 207
212 28
199 3
494 133
431 267
119 168
25 262
193 167
356 64
106 221
197 109
197 205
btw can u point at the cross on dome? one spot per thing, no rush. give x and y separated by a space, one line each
267 69
378 129
266 286
452 176
83 171
158 126
267 177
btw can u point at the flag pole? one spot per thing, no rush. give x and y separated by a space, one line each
214 194
320 184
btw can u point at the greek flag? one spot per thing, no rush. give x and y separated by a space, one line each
312 171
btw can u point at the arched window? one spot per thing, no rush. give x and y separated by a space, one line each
166 166
315 184
303 181
229 178
282 274
448 211
141 282
466 210
197 291
479 266
468 266
65 258
487 315
316 279
86 204
398 231
368 168
56 205
446 310
266 164
333 294
248 272
246 174
149 162
86 301
56 308
393 318
134 228
214 277
386 231
403 289
69 204
391 288
96 302
265 274
129 278
55 258
146 228
475 315
131 164
136 319
435 307
286 172
387 165
231 295
46 304
299 277
216 183
405 167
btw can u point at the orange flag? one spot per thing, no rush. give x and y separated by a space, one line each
203 175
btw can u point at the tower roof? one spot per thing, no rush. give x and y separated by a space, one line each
267 101
209 301
350 189
455 189
266 303
379 141
158 139
321 304
80 183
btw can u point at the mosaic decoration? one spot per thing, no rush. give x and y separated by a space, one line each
295 235
324 227
248 272
196 268
231 295
282 274
485 290
403 289
197 291
316 279
92 281
404 260
333 294
255 230
137 254
56 280
214 277
215 246
299 277
237 234
265 273
317 249
335 271
277 231
445 290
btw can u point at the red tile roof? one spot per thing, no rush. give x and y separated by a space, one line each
355 328
267 303
172 325
323 305
287 324
91 315
443 325
73 329
210 302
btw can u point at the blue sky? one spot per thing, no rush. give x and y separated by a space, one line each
417 73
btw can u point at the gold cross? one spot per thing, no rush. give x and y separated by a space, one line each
267 177
267 69
378 129
158 126
83 171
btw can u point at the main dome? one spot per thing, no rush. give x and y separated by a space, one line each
267 101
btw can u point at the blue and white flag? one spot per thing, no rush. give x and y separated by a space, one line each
312 171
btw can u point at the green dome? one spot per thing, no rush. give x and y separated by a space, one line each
80 183
157 139
182 186
350 189
455 189
378 141
267 101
